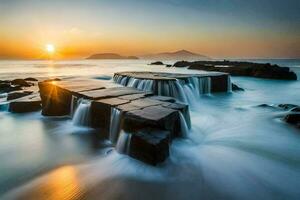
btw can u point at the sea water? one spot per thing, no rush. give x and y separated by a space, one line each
234 150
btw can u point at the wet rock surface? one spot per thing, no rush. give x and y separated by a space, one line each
26 104
292 112
150 146
235 68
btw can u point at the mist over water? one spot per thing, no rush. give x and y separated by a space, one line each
234 150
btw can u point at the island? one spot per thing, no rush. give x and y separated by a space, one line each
177 55
111 56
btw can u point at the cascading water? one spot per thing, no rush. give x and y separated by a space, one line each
185 90
115 122
184 129
123 144
82 113
229 84
73 105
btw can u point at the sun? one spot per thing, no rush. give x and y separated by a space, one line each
50 48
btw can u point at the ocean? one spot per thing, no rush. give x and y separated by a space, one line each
235 149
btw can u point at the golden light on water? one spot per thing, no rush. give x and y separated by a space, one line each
60 184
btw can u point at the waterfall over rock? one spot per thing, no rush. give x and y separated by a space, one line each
186 90
229 84
123 144
73 105
115 122
82 113
184 129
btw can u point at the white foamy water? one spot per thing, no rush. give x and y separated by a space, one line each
234 150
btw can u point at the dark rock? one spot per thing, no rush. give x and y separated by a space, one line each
235 68
168 65
296 109
264 105
30 79
293 118
182 64
101 112
30 103
236 88
7 87
16 95
53 79
4 86
21 82
219 83
150 146
157 63
287 106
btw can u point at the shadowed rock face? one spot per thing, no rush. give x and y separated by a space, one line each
25 104
241 69
150 145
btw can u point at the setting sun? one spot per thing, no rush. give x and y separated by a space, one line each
50 48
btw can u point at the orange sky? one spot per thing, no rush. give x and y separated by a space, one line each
80 29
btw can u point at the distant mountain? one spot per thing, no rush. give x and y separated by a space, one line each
110 56
177 55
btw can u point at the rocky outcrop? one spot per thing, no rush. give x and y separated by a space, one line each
292 112
16 95
21 82
157 63
293 118
235 68
236 88
31 79
26 104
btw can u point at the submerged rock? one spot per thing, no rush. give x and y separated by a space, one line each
236 88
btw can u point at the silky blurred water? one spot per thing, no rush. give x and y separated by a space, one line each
235 150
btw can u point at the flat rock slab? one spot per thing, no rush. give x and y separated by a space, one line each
157 117
78 85
109 93
29 103
166 76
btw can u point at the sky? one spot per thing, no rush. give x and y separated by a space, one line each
216 28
